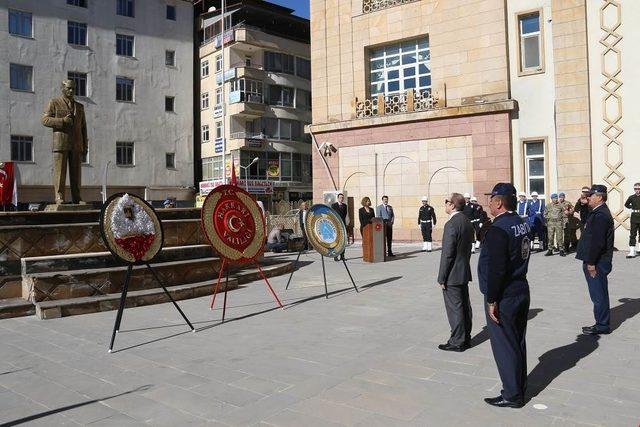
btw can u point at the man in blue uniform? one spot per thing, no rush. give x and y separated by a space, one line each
523 206
595 249
536 220
502 272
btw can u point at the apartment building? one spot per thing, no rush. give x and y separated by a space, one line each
425 97
256 100
132 61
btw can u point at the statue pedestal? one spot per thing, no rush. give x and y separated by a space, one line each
68 207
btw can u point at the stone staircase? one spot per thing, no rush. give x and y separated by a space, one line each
53 266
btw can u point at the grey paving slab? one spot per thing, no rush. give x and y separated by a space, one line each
366 359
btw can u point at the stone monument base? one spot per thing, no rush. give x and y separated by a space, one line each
68 207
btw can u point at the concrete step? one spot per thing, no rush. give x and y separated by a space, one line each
16 307
93 304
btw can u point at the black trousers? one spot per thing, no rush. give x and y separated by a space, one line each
508 343
635 230
458 306
426 229
388 228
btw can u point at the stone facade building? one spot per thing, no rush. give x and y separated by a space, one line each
132 61
425 97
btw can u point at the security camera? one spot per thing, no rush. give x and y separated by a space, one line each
326 148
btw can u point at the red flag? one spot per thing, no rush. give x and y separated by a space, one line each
234 180
7 183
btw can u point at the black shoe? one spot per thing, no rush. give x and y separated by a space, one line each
501 402
336 258
562 253
592 330
449 347
390 254
549 253
342 257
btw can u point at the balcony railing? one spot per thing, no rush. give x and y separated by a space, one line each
247 135
242 96
369 6
408 102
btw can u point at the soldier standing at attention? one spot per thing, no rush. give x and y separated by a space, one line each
523 206
536 219
502 273
469 212
426 222
478 219
554 216
633 203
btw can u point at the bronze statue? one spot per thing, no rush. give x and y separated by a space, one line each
66 117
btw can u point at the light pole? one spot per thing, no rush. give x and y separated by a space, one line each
246 174
434 174
344 186
224 108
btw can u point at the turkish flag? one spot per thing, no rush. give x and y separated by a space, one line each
7 183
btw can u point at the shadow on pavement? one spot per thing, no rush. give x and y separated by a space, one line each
67 408
554 362
483 335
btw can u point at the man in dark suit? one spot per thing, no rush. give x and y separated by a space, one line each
302 217
455 273
595 249
341 207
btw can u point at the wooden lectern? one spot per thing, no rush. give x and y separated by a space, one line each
373 241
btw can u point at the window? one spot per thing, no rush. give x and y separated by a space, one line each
204 101
212 168
170 58
169 103
80 80
281 95
170 160
279 62
20 23
124 89
219 96
273 128
205 133
21 77
79 3
218 130
303 99
21 148
399 67
125 153
124 45
218 63
171 12
76 33
534 166
530 43
303 68
204 69
125 8
250 90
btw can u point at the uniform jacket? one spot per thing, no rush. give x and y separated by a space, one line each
633 203
342 210
596 243
583 211
66 138
457 239
553 213
523 208
385 213
427 213
536 207
504 258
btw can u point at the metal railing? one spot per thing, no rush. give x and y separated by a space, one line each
369 6
407 102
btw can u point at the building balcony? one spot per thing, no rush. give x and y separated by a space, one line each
369 6
384 105
246 104
247 139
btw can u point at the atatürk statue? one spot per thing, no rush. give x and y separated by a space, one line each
66 117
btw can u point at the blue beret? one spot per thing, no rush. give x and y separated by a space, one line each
561 194
554 196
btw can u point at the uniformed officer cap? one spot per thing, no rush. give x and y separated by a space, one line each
503 189
522 193
561 195
586 189
425 199
535 193
554 196
467 195
474 199
598 189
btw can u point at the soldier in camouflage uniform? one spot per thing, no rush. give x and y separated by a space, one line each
571 225
555 219
633 203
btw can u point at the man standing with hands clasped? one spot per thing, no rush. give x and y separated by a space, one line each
455 273
341 208
502 271
595 249
385 211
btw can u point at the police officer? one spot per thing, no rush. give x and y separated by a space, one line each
426 221
478 218
536 219
633 203
469 212
555 219
502 272
523 206
595 249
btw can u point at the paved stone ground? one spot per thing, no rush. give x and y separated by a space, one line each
367 359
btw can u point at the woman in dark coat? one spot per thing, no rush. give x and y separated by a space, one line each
366 213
